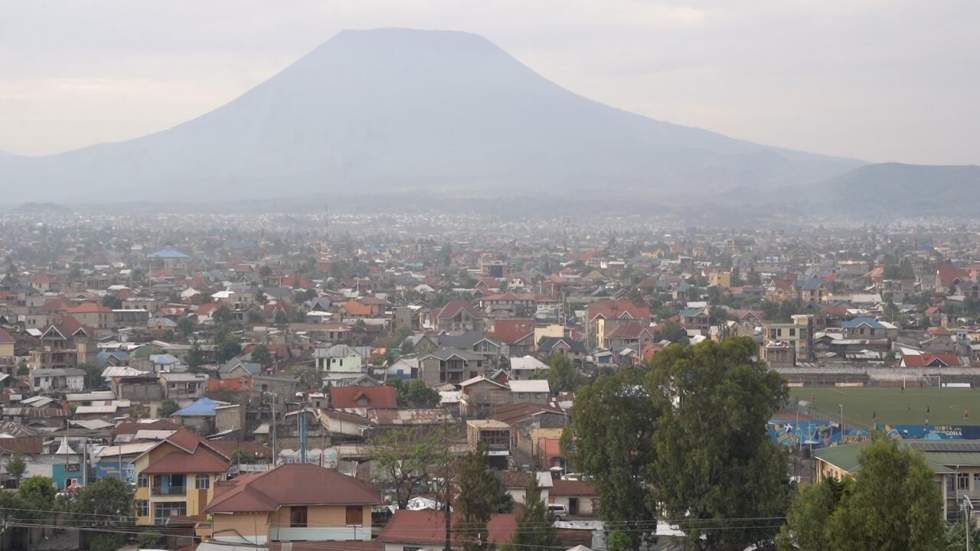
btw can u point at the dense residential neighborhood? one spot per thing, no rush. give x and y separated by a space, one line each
329 387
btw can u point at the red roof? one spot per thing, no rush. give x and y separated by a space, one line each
931 359
5 337
617 309
512 331
427 527
194 455
89 308
130 427
453 307
345 397
949 273
291 484
572 488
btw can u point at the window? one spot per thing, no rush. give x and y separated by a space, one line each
202 482
297 517
164 510
142 508
963 481
143 481
792 332
355 515
976 481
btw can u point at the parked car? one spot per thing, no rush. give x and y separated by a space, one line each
558 511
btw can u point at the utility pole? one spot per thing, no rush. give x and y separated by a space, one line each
841 423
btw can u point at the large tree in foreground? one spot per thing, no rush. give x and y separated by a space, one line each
406 458
714 461
534 523
611 440
894 503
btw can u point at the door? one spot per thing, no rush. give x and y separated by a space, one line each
573 505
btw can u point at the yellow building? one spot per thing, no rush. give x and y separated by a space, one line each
176 479
293 502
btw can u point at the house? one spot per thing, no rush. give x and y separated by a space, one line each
509 304
425 530
516 483
527 367
578 496
868 328
458 315
7 342
58 380
494 436
570 348
516 334
797 334
536 391
449 365
207 416
183 387
64 344
91 314
633 334
363 397
955 465
479 396
931 359
696 319
175 479
601 315
338 361
295 502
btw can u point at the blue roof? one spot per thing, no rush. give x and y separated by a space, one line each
204 407
168 253
856 322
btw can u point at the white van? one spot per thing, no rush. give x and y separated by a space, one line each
558 511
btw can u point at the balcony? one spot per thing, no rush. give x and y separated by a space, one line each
169 491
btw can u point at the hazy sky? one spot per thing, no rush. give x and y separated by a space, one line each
873 79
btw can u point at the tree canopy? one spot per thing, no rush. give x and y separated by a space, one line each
714 459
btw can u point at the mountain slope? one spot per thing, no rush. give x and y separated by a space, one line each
902 189
396 109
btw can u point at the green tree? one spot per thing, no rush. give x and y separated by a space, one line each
611 440
37 494
196 356
562 374
534 523
16 467
894 503
112 301
404 460
108 500
672 331
415 394
714 457
105 542
806 521
93 375
222 315
281 318
260 354
185 326
477 499
228 348
167 408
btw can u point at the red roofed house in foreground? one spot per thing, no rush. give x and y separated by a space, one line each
426 529
293 502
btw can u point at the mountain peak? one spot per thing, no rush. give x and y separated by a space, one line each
394 109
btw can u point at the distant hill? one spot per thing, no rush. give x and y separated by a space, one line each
390 110
902 189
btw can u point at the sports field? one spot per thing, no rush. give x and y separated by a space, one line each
947 406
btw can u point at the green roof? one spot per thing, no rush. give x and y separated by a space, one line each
942 456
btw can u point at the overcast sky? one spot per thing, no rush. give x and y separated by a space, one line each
873 79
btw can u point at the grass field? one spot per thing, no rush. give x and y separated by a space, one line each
893 405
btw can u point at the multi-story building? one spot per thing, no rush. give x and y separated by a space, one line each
175 479
797 334
293 502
